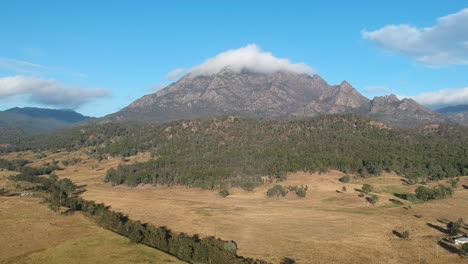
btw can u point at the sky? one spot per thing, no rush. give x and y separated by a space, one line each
98 56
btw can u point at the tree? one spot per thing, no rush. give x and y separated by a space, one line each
423 193
454 227
367 188
343 189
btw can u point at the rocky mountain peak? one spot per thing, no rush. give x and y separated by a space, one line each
271 95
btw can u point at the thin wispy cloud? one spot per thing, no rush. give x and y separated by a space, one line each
19 66
48 92
33 69
444 43
441 98
175 73
250 57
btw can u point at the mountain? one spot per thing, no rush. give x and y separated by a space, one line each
458 114
405 112
276 95
32 120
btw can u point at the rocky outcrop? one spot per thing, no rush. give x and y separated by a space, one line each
276 95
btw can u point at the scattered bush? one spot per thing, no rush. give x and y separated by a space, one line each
287 260
464 250
367 188
224 193
405 235
301 191
345 178
373 199
277 191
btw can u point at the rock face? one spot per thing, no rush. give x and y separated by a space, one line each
405 112
457 114
276 95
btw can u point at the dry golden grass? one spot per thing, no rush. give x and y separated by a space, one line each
325 227
31 233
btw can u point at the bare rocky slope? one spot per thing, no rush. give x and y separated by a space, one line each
276 95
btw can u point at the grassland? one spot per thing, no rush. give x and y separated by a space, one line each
327 226
32 233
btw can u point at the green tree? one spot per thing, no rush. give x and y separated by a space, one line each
454 227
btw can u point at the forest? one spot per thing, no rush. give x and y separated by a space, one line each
232 151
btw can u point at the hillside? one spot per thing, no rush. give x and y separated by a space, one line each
279 94
458 114
31 120
239 151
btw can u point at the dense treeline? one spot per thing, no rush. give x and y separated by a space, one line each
231 151
193 249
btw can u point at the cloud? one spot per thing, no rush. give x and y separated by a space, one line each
442 44
48 92
441 98
175 73
250 57
29 68
20 66
377 90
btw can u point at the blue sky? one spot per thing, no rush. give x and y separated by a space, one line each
99 56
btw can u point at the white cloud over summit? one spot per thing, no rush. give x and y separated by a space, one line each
250 57
445 43
48 92
442 98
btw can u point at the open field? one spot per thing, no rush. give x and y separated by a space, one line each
325 227
31 233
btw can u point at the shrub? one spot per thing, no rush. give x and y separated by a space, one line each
277 191
454 182
224 193
287 260
373 199
464 250
301 191
405 235
345 178
367 188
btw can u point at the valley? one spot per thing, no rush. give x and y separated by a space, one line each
327 226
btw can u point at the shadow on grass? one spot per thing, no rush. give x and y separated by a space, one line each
401 196
394 201
397 234
406 182
438 228
448 247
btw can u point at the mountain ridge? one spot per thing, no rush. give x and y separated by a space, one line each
279 94
34 120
